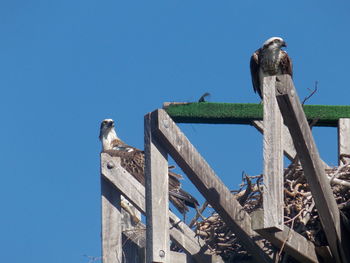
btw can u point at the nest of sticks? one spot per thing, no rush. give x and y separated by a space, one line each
300 212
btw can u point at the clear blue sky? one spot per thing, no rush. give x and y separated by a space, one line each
65 65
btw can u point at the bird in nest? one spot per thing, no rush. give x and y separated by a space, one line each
133 161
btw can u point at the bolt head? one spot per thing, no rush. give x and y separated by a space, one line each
110 165
166 123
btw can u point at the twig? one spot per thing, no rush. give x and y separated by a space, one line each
285 241
198 214
247 192
286 222
92 258
311 94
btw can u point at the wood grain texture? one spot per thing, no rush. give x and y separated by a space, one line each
208 183
273 159
220 198
157 205
176 257
288 146
111 231
132 190
305 146
134 244
296 245
344 138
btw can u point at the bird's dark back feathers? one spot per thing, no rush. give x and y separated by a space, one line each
134 163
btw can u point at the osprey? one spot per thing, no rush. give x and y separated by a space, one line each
269 60
133 161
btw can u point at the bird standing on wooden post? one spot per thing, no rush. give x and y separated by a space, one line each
133 161
269 60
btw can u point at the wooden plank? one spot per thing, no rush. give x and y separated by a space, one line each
273 159
133 234
344 139
245 113
135 193
111 223
287 142
134 244
305 146
288 146
176 257
191 241
217 194
157 199
302 250
207 182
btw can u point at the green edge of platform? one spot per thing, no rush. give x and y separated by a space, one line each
245 113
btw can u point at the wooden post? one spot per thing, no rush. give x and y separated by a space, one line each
133 234
344 138
111 223
305 146
288 146
131 189
210 186
273 159
221 199
157 199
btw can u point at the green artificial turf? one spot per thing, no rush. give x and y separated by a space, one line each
244 113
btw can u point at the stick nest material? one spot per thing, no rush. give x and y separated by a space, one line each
300 212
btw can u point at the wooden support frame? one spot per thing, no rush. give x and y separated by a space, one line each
220 198
287 142
111 232
343 138
134 192
288 146
305 146
273 160
157 199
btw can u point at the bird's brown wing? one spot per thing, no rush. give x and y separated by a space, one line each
286 64
254 71
134 163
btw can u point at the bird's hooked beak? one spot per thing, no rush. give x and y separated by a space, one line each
284 44
110 124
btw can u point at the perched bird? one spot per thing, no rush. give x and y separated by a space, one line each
133 161
269 60
202 98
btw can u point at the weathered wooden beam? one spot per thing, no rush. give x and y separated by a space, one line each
157 199
219 197
207 182
132 190
302 250
305 146
134 244
133 233
273 159
111 223
245 113
176 257
344 139
287 142
288 146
